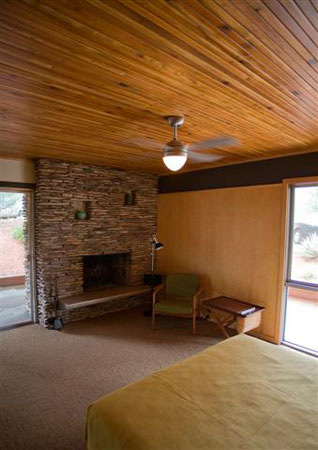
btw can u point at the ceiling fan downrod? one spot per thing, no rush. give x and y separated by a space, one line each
175 122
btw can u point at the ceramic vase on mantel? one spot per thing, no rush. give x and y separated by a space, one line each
80 215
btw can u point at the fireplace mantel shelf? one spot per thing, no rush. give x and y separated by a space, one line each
102 296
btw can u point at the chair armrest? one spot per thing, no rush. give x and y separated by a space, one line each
156 290
198 292
196 300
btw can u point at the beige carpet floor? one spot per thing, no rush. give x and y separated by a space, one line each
48 378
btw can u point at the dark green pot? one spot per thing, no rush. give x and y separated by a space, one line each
81 215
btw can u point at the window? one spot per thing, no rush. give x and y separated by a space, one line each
301 315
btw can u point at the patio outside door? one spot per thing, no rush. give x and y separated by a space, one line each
16 258
301 311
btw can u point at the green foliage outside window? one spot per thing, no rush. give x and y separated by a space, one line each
309 248
18 233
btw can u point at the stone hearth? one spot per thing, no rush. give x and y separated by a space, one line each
110 226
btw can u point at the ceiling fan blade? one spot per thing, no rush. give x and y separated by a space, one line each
198 157
222 141
143 142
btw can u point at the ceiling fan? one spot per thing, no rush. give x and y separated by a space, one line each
175 153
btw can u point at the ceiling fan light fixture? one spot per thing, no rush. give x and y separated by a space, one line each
174 162
175 155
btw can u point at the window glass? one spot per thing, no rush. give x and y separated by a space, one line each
302 318
304 249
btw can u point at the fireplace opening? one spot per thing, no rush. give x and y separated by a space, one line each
105 270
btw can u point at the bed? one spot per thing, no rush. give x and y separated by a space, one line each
243 393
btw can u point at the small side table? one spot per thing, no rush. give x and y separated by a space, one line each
246 315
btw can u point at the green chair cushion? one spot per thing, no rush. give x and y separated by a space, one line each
177 306
181 284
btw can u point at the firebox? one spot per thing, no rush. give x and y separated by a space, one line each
105 270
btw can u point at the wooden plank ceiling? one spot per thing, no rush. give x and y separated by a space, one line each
80 78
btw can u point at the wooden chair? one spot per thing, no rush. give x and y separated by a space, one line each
180 297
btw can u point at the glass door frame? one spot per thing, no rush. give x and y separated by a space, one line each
289 281
286 281
29 191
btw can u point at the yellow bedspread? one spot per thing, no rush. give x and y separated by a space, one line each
240 394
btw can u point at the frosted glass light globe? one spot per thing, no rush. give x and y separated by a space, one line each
174 162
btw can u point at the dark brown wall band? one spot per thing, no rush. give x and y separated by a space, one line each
9 184
268 171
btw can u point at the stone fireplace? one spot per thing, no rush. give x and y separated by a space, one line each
68 248
101 271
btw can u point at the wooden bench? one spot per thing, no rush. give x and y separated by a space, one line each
98 296
246 316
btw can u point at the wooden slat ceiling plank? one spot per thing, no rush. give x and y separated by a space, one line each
245 14
284 17
32 150
116 7
255 76
112 149
197 55
283 116
71 155
110 142
77 142
12 137
166 136
78 145
278 22
314 4
111 134
57 93
213 28
76 37
121 96
48 64
57 125
35 107
37 103
112 129
309 10
16 150
46 96
52 148
133 59
234 22
55 151
89 156
294 10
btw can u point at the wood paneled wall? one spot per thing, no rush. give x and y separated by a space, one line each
16 170
231 237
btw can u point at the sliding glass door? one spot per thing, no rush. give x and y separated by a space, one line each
16 257
301 312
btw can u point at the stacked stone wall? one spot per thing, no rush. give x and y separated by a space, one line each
111 226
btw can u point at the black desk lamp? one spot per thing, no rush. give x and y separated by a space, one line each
155 246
